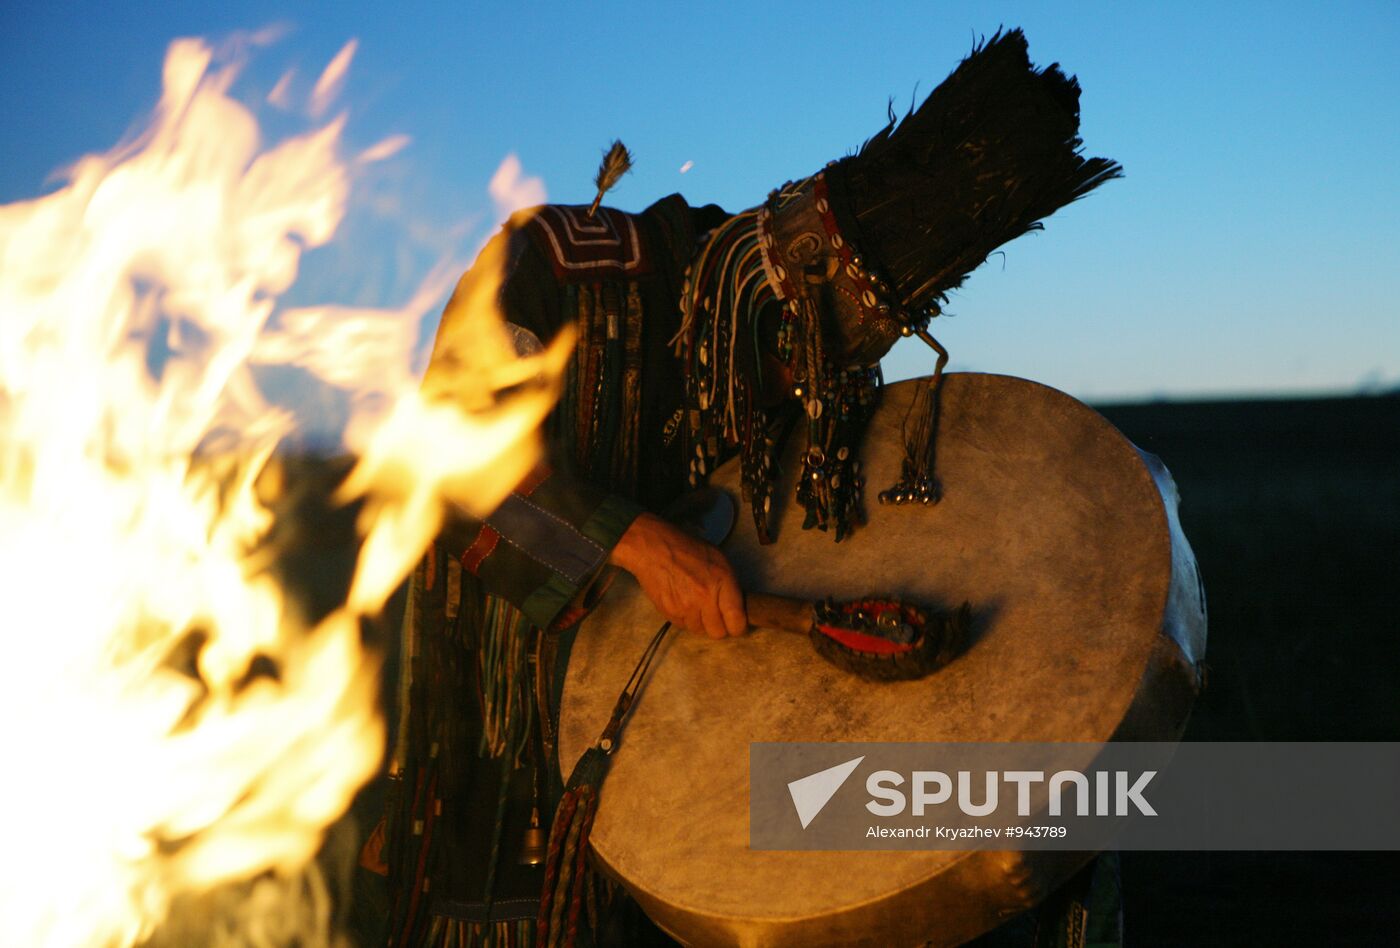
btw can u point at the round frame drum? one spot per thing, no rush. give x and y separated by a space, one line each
1089 623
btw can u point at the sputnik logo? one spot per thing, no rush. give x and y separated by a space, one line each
812 793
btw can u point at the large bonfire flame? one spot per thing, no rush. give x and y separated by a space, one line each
134 447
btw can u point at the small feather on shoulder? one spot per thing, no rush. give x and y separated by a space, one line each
617 161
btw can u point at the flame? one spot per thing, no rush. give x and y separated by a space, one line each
512 191
281 94
332 78
173 725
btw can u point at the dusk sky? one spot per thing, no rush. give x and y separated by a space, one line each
1253 246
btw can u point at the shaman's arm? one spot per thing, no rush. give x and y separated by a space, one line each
547 543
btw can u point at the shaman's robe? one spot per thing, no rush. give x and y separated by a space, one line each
492 609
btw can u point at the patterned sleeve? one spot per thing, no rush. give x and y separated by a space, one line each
544 546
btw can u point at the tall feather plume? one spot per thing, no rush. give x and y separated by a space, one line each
616 163
990 153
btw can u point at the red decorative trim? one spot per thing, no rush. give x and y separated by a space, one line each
864 296
537 476
873 644
483 546
783 286
582 604
860 642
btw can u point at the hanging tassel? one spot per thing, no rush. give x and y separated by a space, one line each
566 875
503 663
917 484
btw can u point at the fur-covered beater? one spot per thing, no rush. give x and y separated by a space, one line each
888 640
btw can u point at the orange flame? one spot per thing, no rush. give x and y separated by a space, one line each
149 759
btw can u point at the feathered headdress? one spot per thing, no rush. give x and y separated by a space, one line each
990 153
866 250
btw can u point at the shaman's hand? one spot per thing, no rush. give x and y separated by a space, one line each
688 580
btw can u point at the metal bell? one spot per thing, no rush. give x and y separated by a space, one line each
533 846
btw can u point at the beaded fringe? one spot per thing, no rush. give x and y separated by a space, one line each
599 416
447 932
503 664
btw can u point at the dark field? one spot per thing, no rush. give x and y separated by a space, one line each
1293 508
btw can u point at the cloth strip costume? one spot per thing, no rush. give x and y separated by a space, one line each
682 316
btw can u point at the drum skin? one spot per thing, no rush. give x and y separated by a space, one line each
1089 625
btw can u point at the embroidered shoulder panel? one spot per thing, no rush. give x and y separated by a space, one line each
582 249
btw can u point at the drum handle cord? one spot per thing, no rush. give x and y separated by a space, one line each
607 743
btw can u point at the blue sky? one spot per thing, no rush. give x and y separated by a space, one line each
1253 246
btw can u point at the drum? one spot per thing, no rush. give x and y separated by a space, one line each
1089 624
